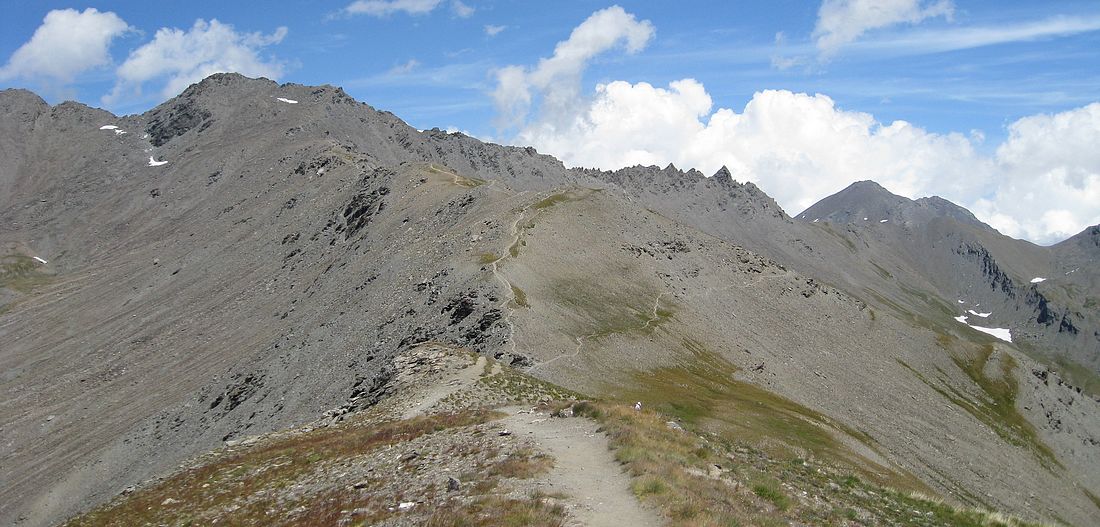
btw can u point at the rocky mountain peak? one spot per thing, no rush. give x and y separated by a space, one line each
18 107
870 202
1086 241
221 85
723 174
944 208
868 186
13 97
861 201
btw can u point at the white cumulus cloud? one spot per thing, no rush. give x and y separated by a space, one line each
179 58
1049 168
1042 183
557 78
840 22
68 43
798 147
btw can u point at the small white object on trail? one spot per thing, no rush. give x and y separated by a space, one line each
638 406
155 163
39 259
288 101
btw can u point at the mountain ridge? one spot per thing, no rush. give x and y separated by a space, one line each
271 270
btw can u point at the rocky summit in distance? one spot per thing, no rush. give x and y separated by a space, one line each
251 258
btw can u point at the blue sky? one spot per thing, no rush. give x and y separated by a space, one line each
955 70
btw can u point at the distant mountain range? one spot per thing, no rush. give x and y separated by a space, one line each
250 255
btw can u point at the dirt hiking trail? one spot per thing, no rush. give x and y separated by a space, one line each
584 469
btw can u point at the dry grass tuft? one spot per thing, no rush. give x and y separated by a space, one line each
522 464
696 480
535 511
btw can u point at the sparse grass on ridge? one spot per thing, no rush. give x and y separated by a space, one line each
500 512
519 296
487 258
703 391
231 485
22 273
462 181
997 407
699 479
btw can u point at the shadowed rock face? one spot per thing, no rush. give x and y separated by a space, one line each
272 269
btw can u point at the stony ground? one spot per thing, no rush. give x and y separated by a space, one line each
444 449
471 442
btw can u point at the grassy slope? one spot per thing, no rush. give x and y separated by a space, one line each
699 479
995 404
22 273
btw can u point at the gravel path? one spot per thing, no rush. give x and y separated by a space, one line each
584 469
463 378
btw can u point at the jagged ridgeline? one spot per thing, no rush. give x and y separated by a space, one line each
249 257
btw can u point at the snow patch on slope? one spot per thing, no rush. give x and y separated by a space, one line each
154 163
1001 333
1038 279
288 101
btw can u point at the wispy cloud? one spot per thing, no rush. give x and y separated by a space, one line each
461 9
842 22
493 31
406 68
914 42
467 76
382 8
919 42
556 79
